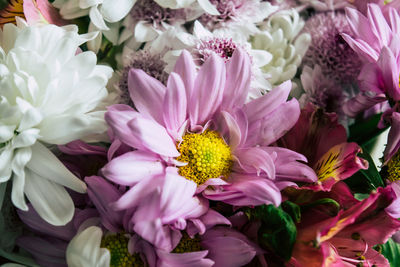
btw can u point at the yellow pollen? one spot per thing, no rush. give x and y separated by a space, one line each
207 155
117 244
394 168
188 244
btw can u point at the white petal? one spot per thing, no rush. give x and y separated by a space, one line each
200 32
48 166
144 32
84 249
115 10
6 132
5 164
97 18
50 200
21 157
208 7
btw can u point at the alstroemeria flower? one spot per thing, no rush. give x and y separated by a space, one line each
322 140
42 102
34 11
348 238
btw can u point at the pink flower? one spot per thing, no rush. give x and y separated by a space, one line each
323 141
373 32
204 114
199 137
346 239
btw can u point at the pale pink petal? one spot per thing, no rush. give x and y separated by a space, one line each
276 124
262 106
379 24
388 65
255 160
237 86
117 117
186 69
229 248
208 90
362 48
130 168
147 93
393 143
152 136
360 25
230 129
188 259
174 104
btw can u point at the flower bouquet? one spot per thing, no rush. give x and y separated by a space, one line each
200 133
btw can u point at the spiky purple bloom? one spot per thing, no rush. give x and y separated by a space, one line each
150 12
223 47
328 49
151 64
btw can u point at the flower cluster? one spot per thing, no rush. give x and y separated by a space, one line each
172 133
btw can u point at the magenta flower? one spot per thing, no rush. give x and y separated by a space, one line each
346 239
323 141
201 129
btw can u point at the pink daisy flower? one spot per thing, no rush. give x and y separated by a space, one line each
199 137
201 130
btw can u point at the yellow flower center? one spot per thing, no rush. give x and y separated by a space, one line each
207 156
120 257
394 168
188 244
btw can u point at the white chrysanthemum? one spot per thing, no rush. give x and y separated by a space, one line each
84 249
279 36
48 96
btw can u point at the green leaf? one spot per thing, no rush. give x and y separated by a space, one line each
277 231
363 130
391 251
364 181
293 210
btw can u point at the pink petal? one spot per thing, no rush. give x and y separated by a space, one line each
117 117
147 186
360 25
388 65
132 167
254 160
394 20
246 190
393 143
186 69
379 24
262 106
228 247
188 259
101 193
237 87
228 127
147 93
362 48
151 136
278 123
208 90
174 104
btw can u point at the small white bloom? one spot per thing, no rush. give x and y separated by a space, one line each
84 249
104 16
280 36
49 94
